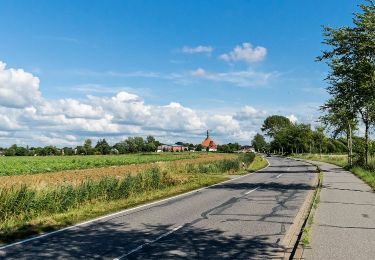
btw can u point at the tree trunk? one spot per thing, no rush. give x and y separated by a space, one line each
350 146
320 150
366 141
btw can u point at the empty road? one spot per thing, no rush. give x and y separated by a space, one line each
244 218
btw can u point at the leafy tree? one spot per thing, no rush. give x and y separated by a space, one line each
103 147
352 66
87 146
258 142
274 123
199 148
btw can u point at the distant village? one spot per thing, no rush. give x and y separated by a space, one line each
208 144
129 145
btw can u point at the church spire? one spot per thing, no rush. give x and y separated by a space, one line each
207 134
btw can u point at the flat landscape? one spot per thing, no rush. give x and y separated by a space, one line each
31 203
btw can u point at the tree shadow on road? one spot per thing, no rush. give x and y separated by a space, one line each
111 240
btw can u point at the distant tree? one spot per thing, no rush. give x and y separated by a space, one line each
198 148
258 142
87 146
273 124
68 151
103 147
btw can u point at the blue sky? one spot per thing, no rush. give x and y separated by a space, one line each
167 51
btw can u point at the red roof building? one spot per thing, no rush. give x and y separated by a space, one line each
209 143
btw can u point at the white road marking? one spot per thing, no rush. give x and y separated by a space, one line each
148 243
124 211
278 176
250 191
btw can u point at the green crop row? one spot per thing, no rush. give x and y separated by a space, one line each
31 165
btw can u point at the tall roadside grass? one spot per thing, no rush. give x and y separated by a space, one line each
366 173
21 206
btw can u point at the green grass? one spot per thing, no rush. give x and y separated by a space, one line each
30 165
367 174
339 159
259 163
306 232
25 211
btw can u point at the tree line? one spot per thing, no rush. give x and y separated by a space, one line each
102 147
286 138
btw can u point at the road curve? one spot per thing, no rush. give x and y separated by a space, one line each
244 218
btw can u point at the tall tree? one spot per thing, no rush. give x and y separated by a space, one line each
273 124
352 66
258 142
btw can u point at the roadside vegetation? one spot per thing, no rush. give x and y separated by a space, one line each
306 232
259 163
26 210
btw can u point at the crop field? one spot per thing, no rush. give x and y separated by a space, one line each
33 203
75 177
31 165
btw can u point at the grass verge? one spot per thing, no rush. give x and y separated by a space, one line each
306 232
46 223
259 163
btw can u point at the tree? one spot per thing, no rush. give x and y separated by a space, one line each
351 60
103 147
340 118
199 148
87 146
258 142
273 124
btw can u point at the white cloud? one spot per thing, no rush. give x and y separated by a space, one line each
242 78
197 49
68 121
246 53
18 88
248 113
292 118
199 72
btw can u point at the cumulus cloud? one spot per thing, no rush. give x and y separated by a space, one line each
245 52
197 49
28 118
18 88
248 113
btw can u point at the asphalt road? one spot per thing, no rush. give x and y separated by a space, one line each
244 218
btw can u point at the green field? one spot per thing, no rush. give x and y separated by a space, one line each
29 165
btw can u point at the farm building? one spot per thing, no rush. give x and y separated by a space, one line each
209 143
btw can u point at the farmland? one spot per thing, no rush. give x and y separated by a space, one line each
33 203
31 165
